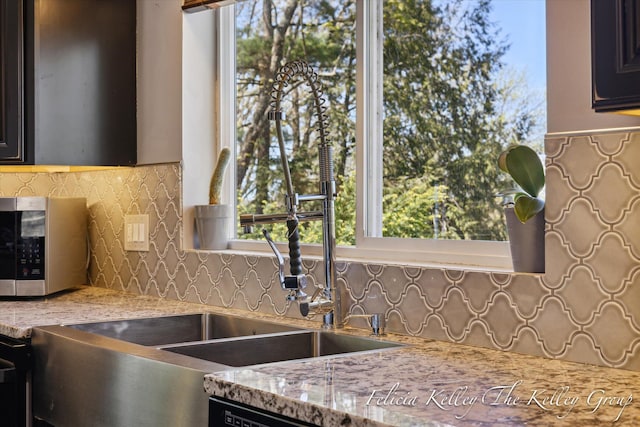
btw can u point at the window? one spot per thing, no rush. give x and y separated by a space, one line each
415 162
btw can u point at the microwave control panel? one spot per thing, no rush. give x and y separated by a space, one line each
22 245
31 227
30 259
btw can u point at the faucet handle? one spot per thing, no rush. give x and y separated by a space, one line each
292 282
278 255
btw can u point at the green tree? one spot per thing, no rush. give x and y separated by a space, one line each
441 124
320 33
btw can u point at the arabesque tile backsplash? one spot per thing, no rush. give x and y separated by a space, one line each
585 308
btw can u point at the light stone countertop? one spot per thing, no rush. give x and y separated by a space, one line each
428 383
83 304
438 384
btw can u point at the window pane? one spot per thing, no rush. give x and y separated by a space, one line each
454 98
322 34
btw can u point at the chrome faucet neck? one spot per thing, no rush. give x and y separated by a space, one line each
324 300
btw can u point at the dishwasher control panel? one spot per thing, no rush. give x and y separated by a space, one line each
223 412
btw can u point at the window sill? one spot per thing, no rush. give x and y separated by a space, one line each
495 257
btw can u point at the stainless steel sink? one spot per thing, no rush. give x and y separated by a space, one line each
279 347
157 331
127 380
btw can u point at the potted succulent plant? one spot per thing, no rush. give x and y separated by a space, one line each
525 210
213 221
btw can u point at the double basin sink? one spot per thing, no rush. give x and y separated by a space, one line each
233 341
150 371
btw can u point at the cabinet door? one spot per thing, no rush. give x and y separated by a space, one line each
80 82
11 124
615 33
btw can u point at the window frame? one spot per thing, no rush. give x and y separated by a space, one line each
370 245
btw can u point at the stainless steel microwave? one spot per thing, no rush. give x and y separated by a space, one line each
43 245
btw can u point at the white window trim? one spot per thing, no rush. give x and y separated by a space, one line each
485 255
225 94
369 44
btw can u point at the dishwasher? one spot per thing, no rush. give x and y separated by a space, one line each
224 412
15 371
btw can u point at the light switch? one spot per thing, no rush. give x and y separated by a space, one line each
136 232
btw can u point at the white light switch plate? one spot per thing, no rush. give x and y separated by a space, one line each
136 232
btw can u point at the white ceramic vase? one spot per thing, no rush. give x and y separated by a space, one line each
213 225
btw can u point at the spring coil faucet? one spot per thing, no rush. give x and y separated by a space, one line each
324 300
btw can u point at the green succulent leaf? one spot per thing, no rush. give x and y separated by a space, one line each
502 159
525 167
526 207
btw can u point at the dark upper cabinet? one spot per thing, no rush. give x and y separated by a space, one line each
68 82
615 50
11 118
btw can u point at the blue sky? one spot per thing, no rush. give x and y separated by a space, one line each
523 22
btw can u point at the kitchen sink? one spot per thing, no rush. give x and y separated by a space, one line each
158 331
280 347
142 361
